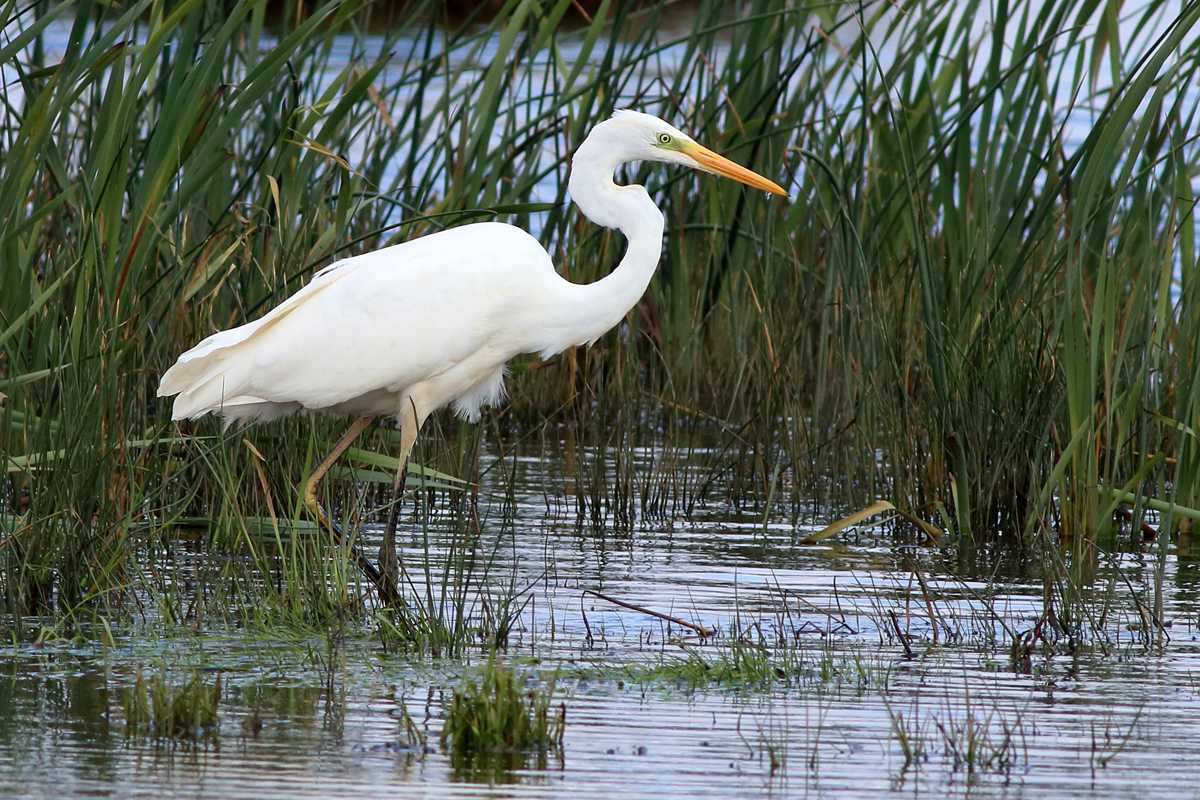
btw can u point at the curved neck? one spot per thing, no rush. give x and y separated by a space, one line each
594 308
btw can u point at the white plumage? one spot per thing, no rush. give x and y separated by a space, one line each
410 329
432 321
431 318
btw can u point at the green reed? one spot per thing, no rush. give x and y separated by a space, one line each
968 307
155 709
497 724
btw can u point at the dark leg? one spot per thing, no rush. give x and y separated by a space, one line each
389 564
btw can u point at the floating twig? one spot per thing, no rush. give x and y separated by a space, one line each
700 629
908 651
933 617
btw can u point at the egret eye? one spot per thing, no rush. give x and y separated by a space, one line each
664 138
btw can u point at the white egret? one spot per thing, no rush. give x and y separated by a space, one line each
404 331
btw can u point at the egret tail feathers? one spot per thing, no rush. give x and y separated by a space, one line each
211 397
211 376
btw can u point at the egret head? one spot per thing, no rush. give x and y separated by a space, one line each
645 137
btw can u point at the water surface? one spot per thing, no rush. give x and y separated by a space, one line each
1110 715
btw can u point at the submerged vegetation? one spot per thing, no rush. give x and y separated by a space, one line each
497 723
752 667
155 709
981 302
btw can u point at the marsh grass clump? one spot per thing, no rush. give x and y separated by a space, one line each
496 724
740 665
155 709
982 743
462 603
972 740
745 665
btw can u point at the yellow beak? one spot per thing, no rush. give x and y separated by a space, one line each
709 161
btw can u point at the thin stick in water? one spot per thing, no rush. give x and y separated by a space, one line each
700 629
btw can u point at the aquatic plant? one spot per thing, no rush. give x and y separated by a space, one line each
156 709
497 722
741 665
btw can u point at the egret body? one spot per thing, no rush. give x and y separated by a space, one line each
406 330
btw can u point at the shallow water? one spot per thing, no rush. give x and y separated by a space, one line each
1111 719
